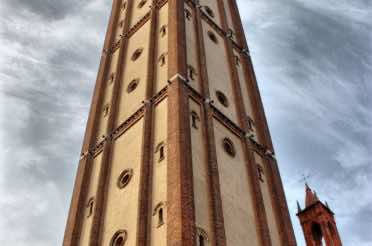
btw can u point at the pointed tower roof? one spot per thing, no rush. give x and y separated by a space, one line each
311 197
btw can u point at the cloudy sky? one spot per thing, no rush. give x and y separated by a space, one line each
313 61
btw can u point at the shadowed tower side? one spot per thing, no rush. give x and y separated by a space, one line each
177 149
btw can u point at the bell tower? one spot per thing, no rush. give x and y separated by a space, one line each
177 149
318 222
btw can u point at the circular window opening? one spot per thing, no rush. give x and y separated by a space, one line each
209 11
125 178
228 146
137 54
222 98
132 85
119 238
212 37
142 3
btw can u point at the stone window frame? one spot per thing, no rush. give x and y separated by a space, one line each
124 178
119 238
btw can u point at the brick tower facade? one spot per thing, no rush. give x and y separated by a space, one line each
177 149
318 222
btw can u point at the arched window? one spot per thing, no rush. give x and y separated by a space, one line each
124 178
194 119
212 37
136 54
159 213
160 149
90 207
316 231
119 238
202 237
228 146
222 98
162 59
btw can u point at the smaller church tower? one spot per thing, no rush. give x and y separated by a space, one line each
318 222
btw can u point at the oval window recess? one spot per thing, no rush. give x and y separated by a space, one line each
212 37
141 4
228 146
133 85
125 178
136 54
209 11
222 98
119 238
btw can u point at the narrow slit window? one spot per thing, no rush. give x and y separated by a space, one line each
160 217
194 119
237 60
160 150
191 72
163 30
106 110
90 207
161 153
111 78
162 60
260 172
